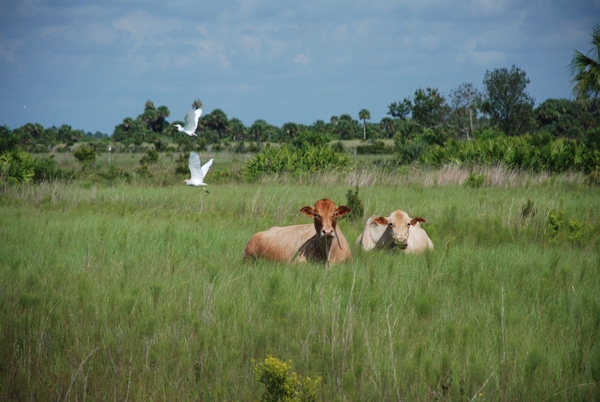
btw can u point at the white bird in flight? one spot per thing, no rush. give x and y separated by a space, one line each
197 171
191 122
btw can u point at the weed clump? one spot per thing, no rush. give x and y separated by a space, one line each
475 180
280 385
354 202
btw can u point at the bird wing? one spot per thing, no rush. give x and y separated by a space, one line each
195 167
206 166
197 114
191 120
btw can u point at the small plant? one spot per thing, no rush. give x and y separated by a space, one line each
85 154
151 157
280 385
555 220
475 180
576 230
528 209
354 202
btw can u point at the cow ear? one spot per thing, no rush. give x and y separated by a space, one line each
380 220
343 210
308 211
416 220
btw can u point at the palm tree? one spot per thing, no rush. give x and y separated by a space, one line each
364 115
586 69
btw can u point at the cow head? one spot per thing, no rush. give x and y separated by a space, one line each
325 214
398 225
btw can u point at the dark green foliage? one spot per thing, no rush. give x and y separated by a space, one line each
475 180
20 167
182 164
151 157
528 209
565 118
409 151
533 153
307 139
8 139
354 202
507 103
375 147
85 154
115 173
288 160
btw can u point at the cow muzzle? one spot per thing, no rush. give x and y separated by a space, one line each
327 233
401 243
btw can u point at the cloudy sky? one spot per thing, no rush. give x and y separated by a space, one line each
90 64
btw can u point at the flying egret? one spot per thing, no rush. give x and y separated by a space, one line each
197 171
191 122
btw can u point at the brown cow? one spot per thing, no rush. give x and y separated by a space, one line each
320 241
397 230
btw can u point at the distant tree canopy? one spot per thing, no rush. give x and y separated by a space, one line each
145 127
416 124
506 101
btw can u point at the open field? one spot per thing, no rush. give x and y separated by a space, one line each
131 291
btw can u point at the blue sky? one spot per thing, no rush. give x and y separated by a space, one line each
90 64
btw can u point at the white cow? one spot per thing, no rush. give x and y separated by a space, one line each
397 230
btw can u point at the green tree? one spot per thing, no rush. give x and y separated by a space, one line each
429 108
237 130
507 103
216 121
464 105
289 131
260 130
565 118
346 127
585 69
400 110
388 126
364 115
8 139
585 72
197 104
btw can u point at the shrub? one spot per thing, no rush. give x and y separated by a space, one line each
377 147
280 385
85 154
289 160
475 180
354 202
151 157
16 167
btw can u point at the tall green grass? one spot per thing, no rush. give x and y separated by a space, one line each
137 292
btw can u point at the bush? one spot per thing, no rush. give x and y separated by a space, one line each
151 157
20 167
85 154
377 147
289 160
475 180
354 202
280 385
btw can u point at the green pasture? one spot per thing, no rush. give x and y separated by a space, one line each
137 290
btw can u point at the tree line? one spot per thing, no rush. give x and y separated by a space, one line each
504 106
426 123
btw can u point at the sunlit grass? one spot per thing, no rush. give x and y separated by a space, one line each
140 292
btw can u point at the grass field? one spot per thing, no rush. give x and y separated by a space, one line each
138 291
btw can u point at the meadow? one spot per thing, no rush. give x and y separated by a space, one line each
137 290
